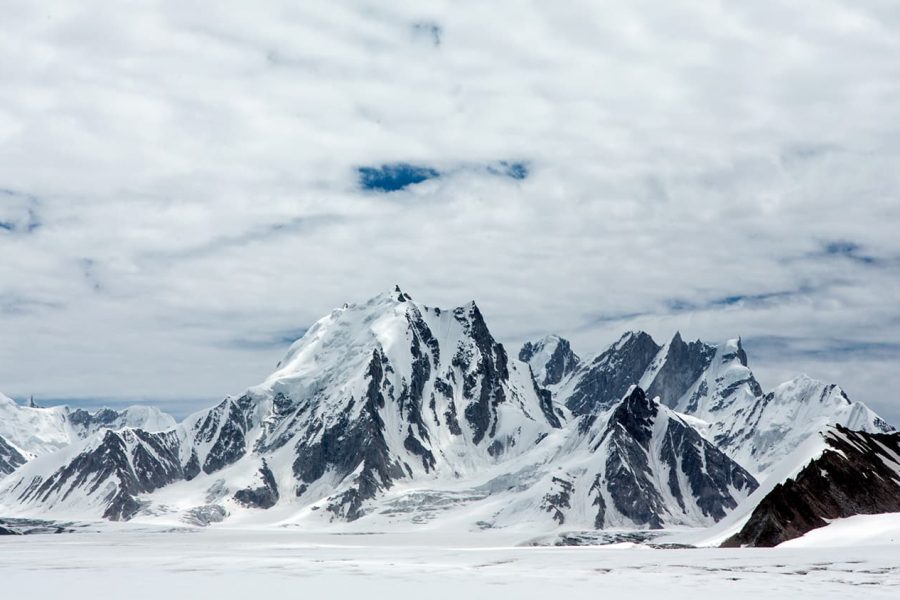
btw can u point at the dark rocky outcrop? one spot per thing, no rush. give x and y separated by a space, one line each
346 445
486 371
631 480
684 363
263 496
628 471
225 426
710 473
105 417
561 362
10 458
608 377
556 501
131 461
858 473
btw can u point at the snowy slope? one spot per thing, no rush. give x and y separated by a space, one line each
715 390
759 430
788 468
858 530
551 359
638 465
34 431
856 473
373 393
393 413
10 457
99 476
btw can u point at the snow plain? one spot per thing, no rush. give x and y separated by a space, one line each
139 563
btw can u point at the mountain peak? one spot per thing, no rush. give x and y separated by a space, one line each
401 295
733 349
603 380
551 359
683 364
634 336
636 411
388 297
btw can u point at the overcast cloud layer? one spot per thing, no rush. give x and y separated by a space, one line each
179 193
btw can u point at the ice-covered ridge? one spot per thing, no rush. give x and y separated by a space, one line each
34 431
715 386
394 414
391 412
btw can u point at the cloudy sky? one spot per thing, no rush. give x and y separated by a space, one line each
184 188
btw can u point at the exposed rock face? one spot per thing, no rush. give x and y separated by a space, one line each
34 431
263 496
551 359
683 365
640 439
605 379
120 466
223 428
715 385
10 458
636 465
391 406
858 473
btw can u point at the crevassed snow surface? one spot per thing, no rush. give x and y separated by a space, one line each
241 564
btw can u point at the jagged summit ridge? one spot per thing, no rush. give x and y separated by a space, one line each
551 359
716 388
373 394
28 431
392 412
854 473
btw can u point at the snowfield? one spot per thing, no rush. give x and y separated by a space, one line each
135 563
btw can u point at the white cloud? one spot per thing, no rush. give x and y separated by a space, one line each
201 160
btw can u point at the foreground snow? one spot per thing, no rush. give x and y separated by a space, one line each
226 564
860 530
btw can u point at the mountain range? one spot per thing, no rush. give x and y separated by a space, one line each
391 413
27 432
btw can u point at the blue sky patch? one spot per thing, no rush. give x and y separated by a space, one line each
513 170
394 177
849 250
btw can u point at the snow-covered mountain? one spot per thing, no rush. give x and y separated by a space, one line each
714 387
30 431
640 464
853 473
551 359
393 412
10 457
